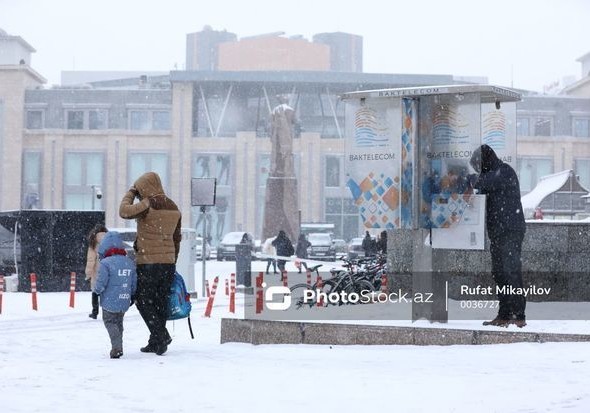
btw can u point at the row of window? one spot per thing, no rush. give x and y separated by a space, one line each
543 126
83 172
159 120
97 119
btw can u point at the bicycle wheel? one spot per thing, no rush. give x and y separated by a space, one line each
297 295
358 286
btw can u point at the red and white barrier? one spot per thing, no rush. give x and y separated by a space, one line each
72 288
1 290
232 293
209 307
384 288
319 287
259 293
34 290
285 279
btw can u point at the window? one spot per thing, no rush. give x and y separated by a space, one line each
97 119
139 120
522 127
343 213
530 170
75 119
542 126
144 120
332 172
140 163
583 171
34 119
31 183
87 119
582 127
161 120
83 173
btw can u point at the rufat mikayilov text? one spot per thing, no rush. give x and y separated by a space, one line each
505 289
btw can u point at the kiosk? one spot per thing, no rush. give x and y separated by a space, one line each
407 168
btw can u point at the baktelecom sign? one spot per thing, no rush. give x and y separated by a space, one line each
372 161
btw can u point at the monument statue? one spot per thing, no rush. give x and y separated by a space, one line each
281 208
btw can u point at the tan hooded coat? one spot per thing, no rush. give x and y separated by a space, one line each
92 261
158 221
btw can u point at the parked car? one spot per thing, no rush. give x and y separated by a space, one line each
226 250
340 246
322 247
355 248
200 249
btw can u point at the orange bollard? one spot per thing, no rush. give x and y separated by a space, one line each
259 292
1 290
384 283
34 290
319 287
72 288
232 293
209 307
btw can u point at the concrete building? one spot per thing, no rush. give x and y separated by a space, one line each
346 51
212 50
201 48
59 145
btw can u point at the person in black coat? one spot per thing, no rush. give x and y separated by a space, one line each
301 249
382 243
369 245
284 248
505 227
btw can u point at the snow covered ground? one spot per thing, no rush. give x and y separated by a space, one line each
56 360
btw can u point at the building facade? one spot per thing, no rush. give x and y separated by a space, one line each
61 146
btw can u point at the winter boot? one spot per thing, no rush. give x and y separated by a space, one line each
150 348
518 322
498 322
116 353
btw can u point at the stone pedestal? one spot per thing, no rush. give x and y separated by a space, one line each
281 211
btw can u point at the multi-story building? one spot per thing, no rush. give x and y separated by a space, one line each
59 145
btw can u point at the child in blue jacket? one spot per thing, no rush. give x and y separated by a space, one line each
116 285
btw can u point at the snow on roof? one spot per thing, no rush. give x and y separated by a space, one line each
546 186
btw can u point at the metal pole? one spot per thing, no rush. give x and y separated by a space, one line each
203 251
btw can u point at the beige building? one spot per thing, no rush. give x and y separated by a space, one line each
61 146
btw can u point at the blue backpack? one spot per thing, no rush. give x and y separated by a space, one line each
179 301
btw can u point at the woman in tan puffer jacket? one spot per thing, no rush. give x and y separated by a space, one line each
95 235
156 249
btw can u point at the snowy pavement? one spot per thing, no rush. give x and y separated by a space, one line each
56 360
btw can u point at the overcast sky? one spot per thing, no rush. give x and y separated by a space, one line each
520 43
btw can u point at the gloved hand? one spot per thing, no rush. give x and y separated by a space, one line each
472 179
134 191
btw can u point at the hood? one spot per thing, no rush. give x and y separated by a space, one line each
149 185
112 239
484 159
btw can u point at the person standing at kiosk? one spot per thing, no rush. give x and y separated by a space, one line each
506 228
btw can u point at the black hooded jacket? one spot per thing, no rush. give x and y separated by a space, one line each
499 182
